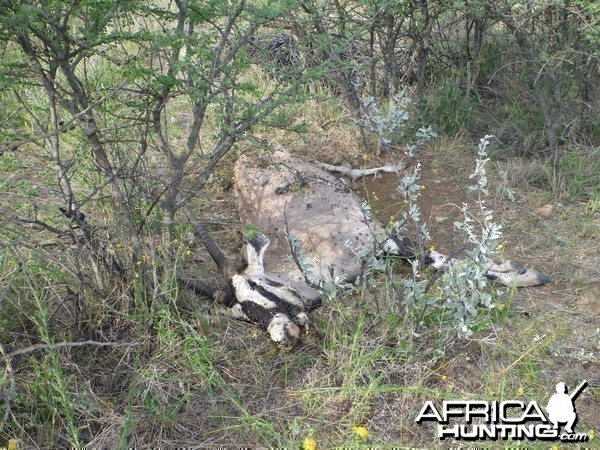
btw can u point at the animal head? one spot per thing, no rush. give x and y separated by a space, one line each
256 246
253 295
435 260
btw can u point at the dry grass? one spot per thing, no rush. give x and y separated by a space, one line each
525 173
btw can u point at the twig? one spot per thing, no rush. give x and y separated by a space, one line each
359 173
33 348
294 253
67 125
42 226
6 289
11 390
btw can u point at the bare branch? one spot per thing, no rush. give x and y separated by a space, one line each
6 289
36 347
354 174
8 394
64 127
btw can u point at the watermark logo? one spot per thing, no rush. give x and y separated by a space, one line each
511 419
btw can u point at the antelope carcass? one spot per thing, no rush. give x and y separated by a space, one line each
282 195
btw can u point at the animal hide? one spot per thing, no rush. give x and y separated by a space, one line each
278 190
319 209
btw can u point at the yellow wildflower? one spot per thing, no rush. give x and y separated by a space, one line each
521 391
591 434
432 248
15 444
309 444
118 246
360 431
444 377
499 247
501 307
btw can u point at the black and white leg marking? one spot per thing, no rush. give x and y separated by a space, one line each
508 273
273 305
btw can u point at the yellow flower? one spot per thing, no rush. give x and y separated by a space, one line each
554 447
360 431
501 307
444 377
521 391
591 434
118 246
432 248
309 444
499 247
15 444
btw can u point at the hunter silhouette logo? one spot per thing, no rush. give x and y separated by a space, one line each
561 407
509 419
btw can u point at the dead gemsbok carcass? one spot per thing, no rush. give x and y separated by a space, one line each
282 195
274 301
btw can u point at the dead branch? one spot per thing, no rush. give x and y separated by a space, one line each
65 126
355 174
8 394
294 253
6 289
110 259
33 348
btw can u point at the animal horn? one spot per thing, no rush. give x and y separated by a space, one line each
201 288
226 268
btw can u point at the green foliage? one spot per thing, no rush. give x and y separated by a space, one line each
449 108
250 231
26 188
580 173
459 293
